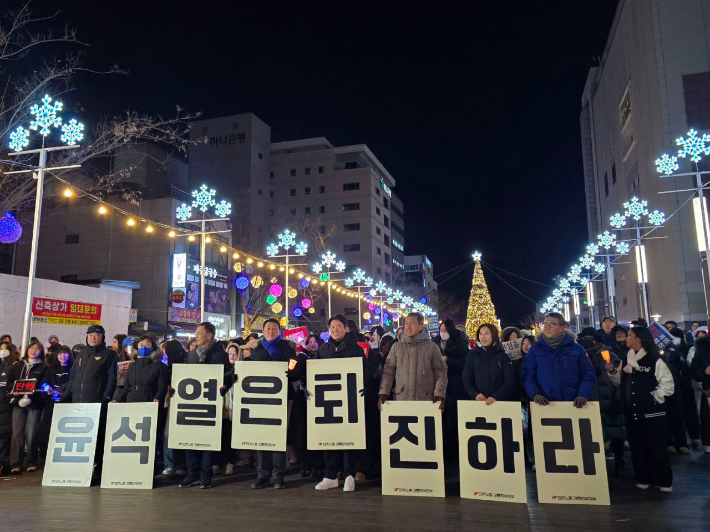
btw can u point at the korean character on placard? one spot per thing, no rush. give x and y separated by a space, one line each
64 306
72 308
587 446
404 432
55 306
264 385
74 450
197 414
490 461
124 431
330 382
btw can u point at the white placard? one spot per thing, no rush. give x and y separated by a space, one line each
335 411
260 408
569 454
491 451
129 447
412 454
72 445
196 407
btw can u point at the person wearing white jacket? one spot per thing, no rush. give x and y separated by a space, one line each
646 382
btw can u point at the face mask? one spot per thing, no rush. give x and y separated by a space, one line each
676 341
144 351
444 336
4 353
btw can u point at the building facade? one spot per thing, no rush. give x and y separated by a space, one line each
420 272
652 85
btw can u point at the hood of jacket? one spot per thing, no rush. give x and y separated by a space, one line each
702 347
418 339
506 332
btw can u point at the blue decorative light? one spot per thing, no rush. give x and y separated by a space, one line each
10 229
45 116
618 220
72 132
636 208
368 297
667 164
304 283
183 212
20 138
204 197
223 209
693 145
297 312
423 300
657 218
241 282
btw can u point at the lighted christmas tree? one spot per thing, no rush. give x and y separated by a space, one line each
480 306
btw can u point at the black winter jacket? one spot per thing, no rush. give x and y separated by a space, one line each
214 355
490 372
5 406
44 375
701 361
609 396
287 354
93 376
455 352
146 379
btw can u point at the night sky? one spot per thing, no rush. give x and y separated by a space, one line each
473 109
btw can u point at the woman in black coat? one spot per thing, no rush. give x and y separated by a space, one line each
9 357
488 373
147 378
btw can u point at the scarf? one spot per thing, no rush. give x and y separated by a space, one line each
202 352
273 346
555 341
632 359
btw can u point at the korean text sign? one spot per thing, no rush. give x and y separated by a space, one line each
129 447
412 454
59 311
72 445
196 407
335 411
260 408
569 454
491 461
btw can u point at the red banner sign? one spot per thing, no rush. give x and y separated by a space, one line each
297 334
63 312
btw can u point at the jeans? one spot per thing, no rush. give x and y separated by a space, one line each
25 429
199 462
271 464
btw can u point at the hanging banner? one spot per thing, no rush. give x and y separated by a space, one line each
260 406
58 311
72 445
335 411
412 454
491 452
129 448
569 454
196 407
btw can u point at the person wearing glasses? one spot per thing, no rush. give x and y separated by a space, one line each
557 368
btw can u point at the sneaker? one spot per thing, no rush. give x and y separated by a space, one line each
360 477
168 471
684 451
215 470
609 455
188 481
260 483
205 483
642 486
707 449
327 484
665 489
671 450
229 470
349 484
279 484
243 462
180 472
15 471
32 469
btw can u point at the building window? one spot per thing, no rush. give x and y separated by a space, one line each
271 212
259 192
350 166
386 203
271 194
271 175
293 172
379 251
308 191
261 157
377 191
293 192
293 211
351 227
377 211
606 186
387 240
71 239
377 230
387 222
625 108
322 209
307 171
321 169
351 207
351 186
308 210
387 259
321 189
68 278
351 247
613 174
626 300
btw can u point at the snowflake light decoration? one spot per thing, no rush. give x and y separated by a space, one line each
380 286
359 275
388 291
390 300
618 220
369 281
204 197
317 267
592 249
583 281
272 250
623 248
599 267
656 218
301 248
340 266
45 116
636 208
287 239
223 209
349 282
20 138
477 255
564 284
397 295
693 145
328 259
606 239
183 212
587 262
576 269
72 132
667 164
557 292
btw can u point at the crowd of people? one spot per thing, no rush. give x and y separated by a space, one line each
652 401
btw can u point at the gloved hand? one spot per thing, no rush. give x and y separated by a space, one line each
24 401
580 401
171 391
222 390
441 402
541 399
